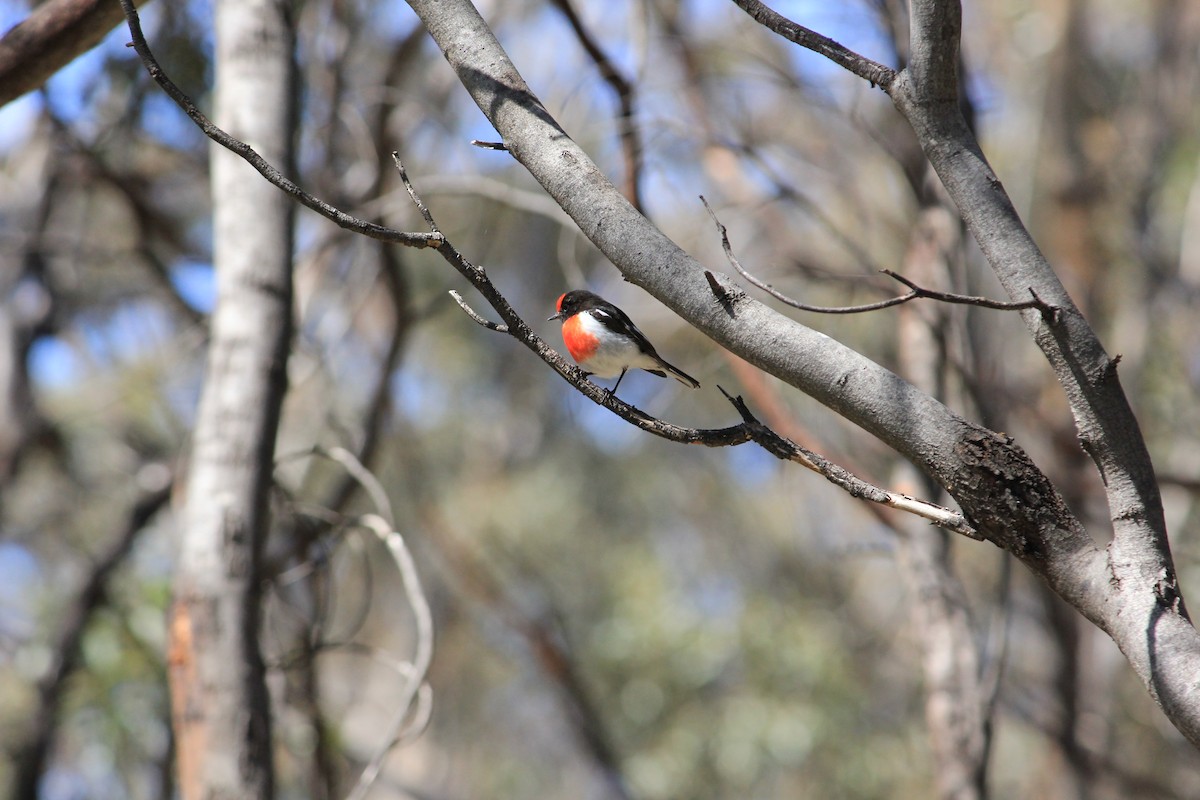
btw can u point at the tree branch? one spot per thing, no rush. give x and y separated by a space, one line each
1144 611
267 170
877 74
1001 490
29 761
1145 615
631 145
52 35
1107 427
1049 312
408 719
413 708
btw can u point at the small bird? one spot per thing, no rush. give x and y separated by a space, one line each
604 341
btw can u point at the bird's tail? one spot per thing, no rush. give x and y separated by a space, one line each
677 374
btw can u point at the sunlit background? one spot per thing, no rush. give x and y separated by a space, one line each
616 615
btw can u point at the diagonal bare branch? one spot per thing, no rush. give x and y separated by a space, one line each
265 168
878 74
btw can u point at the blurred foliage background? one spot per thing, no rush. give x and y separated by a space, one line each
616 615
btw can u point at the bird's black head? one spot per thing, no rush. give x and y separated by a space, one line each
575 301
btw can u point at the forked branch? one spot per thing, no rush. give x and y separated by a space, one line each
1049 313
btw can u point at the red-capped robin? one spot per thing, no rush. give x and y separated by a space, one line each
604 341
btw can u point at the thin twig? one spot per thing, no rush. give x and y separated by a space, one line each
780 296
419 714
366 479
255 160
795 195
412 192
420 665
408 720
874 72
475 315
787 450
1048 312
354 467
490 145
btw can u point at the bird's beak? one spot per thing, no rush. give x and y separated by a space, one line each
556 316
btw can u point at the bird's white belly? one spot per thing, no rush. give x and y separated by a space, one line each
614 353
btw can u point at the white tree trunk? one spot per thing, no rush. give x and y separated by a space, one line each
220 704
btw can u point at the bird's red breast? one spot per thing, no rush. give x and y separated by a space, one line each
580 343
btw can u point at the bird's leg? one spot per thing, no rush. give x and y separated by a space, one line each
613 390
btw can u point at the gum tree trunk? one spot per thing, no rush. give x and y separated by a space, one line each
220 704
